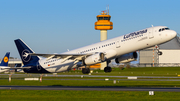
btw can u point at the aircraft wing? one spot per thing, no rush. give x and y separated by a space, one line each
14 67
62 56
6 68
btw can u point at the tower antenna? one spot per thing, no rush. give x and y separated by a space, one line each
108 9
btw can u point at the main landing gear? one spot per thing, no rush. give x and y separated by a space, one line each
108 68
85 70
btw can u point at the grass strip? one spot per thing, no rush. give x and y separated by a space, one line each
64 95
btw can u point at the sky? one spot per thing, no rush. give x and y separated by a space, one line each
53 26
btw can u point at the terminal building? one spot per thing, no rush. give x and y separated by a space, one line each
164 55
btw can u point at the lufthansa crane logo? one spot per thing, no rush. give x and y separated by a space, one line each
6 59
25 56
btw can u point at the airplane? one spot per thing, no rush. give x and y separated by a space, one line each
121 48
4 63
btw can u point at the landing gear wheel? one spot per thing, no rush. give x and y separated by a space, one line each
107 69
85 70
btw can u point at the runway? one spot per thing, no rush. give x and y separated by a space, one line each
169 89
97 88
103 76
92 77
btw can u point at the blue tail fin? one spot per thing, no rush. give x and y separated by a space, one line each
23 50
5 60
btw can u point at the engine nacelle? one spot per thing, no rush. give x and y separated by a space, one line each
127 58
95 58
160 53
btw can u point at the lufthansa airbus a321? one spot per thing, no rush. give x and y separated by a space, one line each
121 48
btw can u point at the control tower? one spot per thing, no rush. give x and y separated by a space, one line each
103 24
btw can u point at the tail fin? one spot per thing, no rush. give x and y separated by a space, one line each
23 50
5 60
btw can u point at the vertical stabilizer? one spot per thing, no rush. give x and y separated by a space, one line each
5 60
24 51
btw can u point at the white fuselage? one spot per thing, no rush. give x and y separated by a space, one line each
4 68
113 48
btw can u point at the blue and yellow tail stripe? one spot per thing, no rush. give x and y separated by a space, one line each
5 60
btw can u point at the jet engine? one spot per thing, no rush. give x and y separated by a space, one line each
160 53
95 58
127 58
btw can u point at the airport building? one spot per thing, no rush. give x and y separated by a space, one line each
164 55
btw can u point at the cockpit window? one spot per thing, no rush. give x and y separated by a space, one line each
167 28
100 18
163 29
107 18
103 18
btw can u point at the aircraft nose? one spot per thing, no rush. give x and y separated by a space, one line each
173 34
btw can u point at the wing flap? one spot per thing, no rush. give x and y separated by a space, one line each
62 56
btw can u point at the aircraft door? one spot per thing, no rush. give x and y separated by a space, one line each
151 33
78 52
118 44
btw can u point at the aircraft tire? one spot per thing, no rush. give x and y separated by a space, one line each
85 70
107 69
